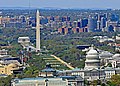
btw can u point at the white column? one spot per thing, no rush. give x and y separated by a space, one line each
37 31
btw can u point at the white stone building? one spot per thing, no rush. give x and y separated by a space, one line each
92 59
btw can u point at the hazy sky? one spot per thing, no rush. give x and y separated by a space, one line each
62 3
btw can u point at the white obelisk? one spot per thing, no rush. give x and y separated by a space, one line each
37 31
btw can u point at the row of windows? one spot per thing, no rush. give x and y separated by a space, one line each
43 84
89 74
56 83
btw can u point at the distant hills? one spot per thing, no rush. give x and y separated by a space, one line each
22 8
52 8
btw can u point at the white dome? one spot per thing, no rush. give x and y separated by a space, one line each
116 56
92 54
92 51
106 54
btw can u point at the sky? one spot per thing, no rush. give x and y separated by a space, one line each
113 4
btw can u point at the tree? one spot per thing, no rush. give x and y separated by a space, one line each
109 83
109 65
95 82
5 81
103 84
115 79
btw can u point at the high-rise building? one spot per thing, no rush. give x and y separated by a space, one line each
98 25
74 24
78 23
103 23
0 20
106 16
110 28
68 18
84 22
37 31
114 17
63 19
92 24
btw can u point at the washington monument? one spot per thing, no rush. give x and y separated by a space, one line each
37 31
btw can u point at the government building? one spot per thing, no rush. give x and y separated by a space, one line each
93 69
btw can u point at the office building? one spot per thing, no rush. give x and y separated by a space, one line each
102 23
92 24
84 22
79 23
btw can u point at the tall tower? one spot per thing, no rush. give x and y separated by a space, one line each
37 31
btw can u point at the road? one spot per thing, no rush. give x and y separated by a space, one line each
63 62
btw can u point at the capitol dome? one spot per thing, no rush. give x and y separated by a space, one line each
92 59
92 51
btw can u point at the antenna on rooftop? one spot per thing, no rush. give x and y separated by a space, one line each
29 6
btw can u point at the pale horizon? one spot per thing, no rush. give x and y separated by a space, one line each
81 4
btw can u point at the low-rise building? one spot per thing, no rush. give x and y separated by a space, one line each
24 41
9 69
39 82
50 77
56 81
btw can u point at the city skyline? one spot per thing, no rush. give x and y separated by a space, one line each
83 4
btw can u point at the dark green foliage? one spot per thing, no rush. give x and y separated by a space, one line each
115 80
109 65
103 84
5 81
59 45
109 83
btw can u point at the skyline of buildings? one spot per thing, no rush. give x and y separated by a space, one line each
82 22
98 64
